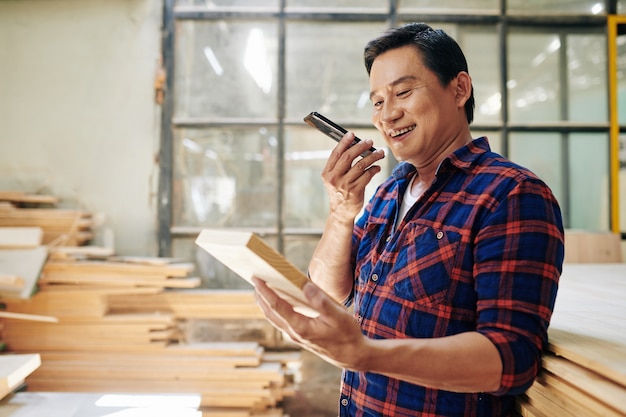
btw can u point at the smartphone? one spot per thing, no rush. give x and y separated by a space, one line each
332 129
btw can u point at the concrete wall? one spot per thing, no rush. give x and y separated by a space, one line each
78 117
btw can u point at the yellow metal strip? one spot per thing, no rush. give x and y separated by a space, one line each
613 22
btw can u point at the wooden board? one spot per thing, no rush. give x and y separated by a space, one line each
24 263
15 368
592 247
20 237
31 317
22 197
248 255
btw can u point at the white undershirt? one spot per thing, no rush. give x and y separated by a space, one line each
407 200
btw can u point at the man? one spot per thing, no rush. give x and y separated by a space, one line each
452 270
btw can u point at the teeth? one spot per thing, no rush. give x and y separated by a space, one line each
394 133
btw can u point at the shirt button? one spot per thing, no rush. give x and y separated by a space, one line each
388 239
439 235
359 318
344 402
375 277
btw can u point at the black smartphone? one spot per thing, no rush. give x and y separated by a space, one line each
331 129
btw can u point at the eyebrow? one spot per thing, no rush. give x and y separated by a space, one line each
396 82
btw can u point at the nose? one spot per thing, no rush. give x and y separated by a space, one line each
390 112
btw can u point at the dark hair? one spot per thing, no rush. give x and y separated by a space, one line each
441 54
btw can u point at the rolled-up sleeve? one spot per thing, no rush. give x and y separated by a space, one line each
519 254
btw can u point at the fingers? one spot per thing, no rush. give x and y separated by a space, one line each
276 310
344 154
271 304
320 301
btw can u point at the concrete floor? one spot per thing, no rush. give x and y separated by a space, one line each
318 392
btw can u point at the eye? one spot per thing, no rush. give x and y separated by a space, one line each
377 104
403 93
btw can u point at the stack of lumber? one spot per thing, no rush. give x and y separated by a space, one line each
121 328
584 372
193 304
59 226
87 273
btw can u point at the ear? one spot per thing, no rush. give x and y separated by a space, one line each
463 88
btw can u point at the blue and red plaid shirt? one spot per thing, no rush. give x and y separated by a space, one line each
481 250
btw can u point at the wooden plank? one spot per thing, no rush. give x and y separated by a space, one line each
24 263
178 270
592 247
547 404
11 283
31 317
145 260
20 237
248 255
63 303
579 402
149 359
589 382
82 251
15 368
588 325
526 409
73 278
139 385
22 197
200 303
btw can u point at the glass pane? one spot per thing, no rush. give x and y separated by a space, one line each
554 7
225 177
480 46
326 75
534 84
265 4
589 178
338 4
448 6
621 9
212 272
542 154
622 183
621 78
307 150
226 69
587 65
299 250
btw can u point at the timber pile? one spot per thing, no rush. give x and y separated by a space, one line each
60 226
121 328
584 374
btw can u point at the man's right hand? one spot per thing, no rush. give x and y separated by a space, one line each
346 175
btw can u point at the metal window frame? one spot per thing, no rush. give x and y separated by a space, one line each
500 20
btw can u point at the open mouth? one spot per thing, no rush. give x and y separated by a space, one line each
396 133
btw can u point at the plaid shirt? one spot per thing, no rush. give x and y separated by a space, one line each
481 250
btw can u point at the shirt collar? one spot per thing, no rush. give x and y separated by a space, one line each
463 158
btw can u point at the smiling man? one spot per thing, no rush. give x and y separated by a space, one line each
451 271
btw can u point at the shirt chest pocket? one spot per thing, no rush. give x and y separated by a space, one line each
422 273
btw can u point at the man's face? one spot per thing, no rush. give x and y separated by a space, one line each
417 117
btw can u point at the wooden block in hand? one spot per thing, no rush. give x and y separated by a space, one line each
246 254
